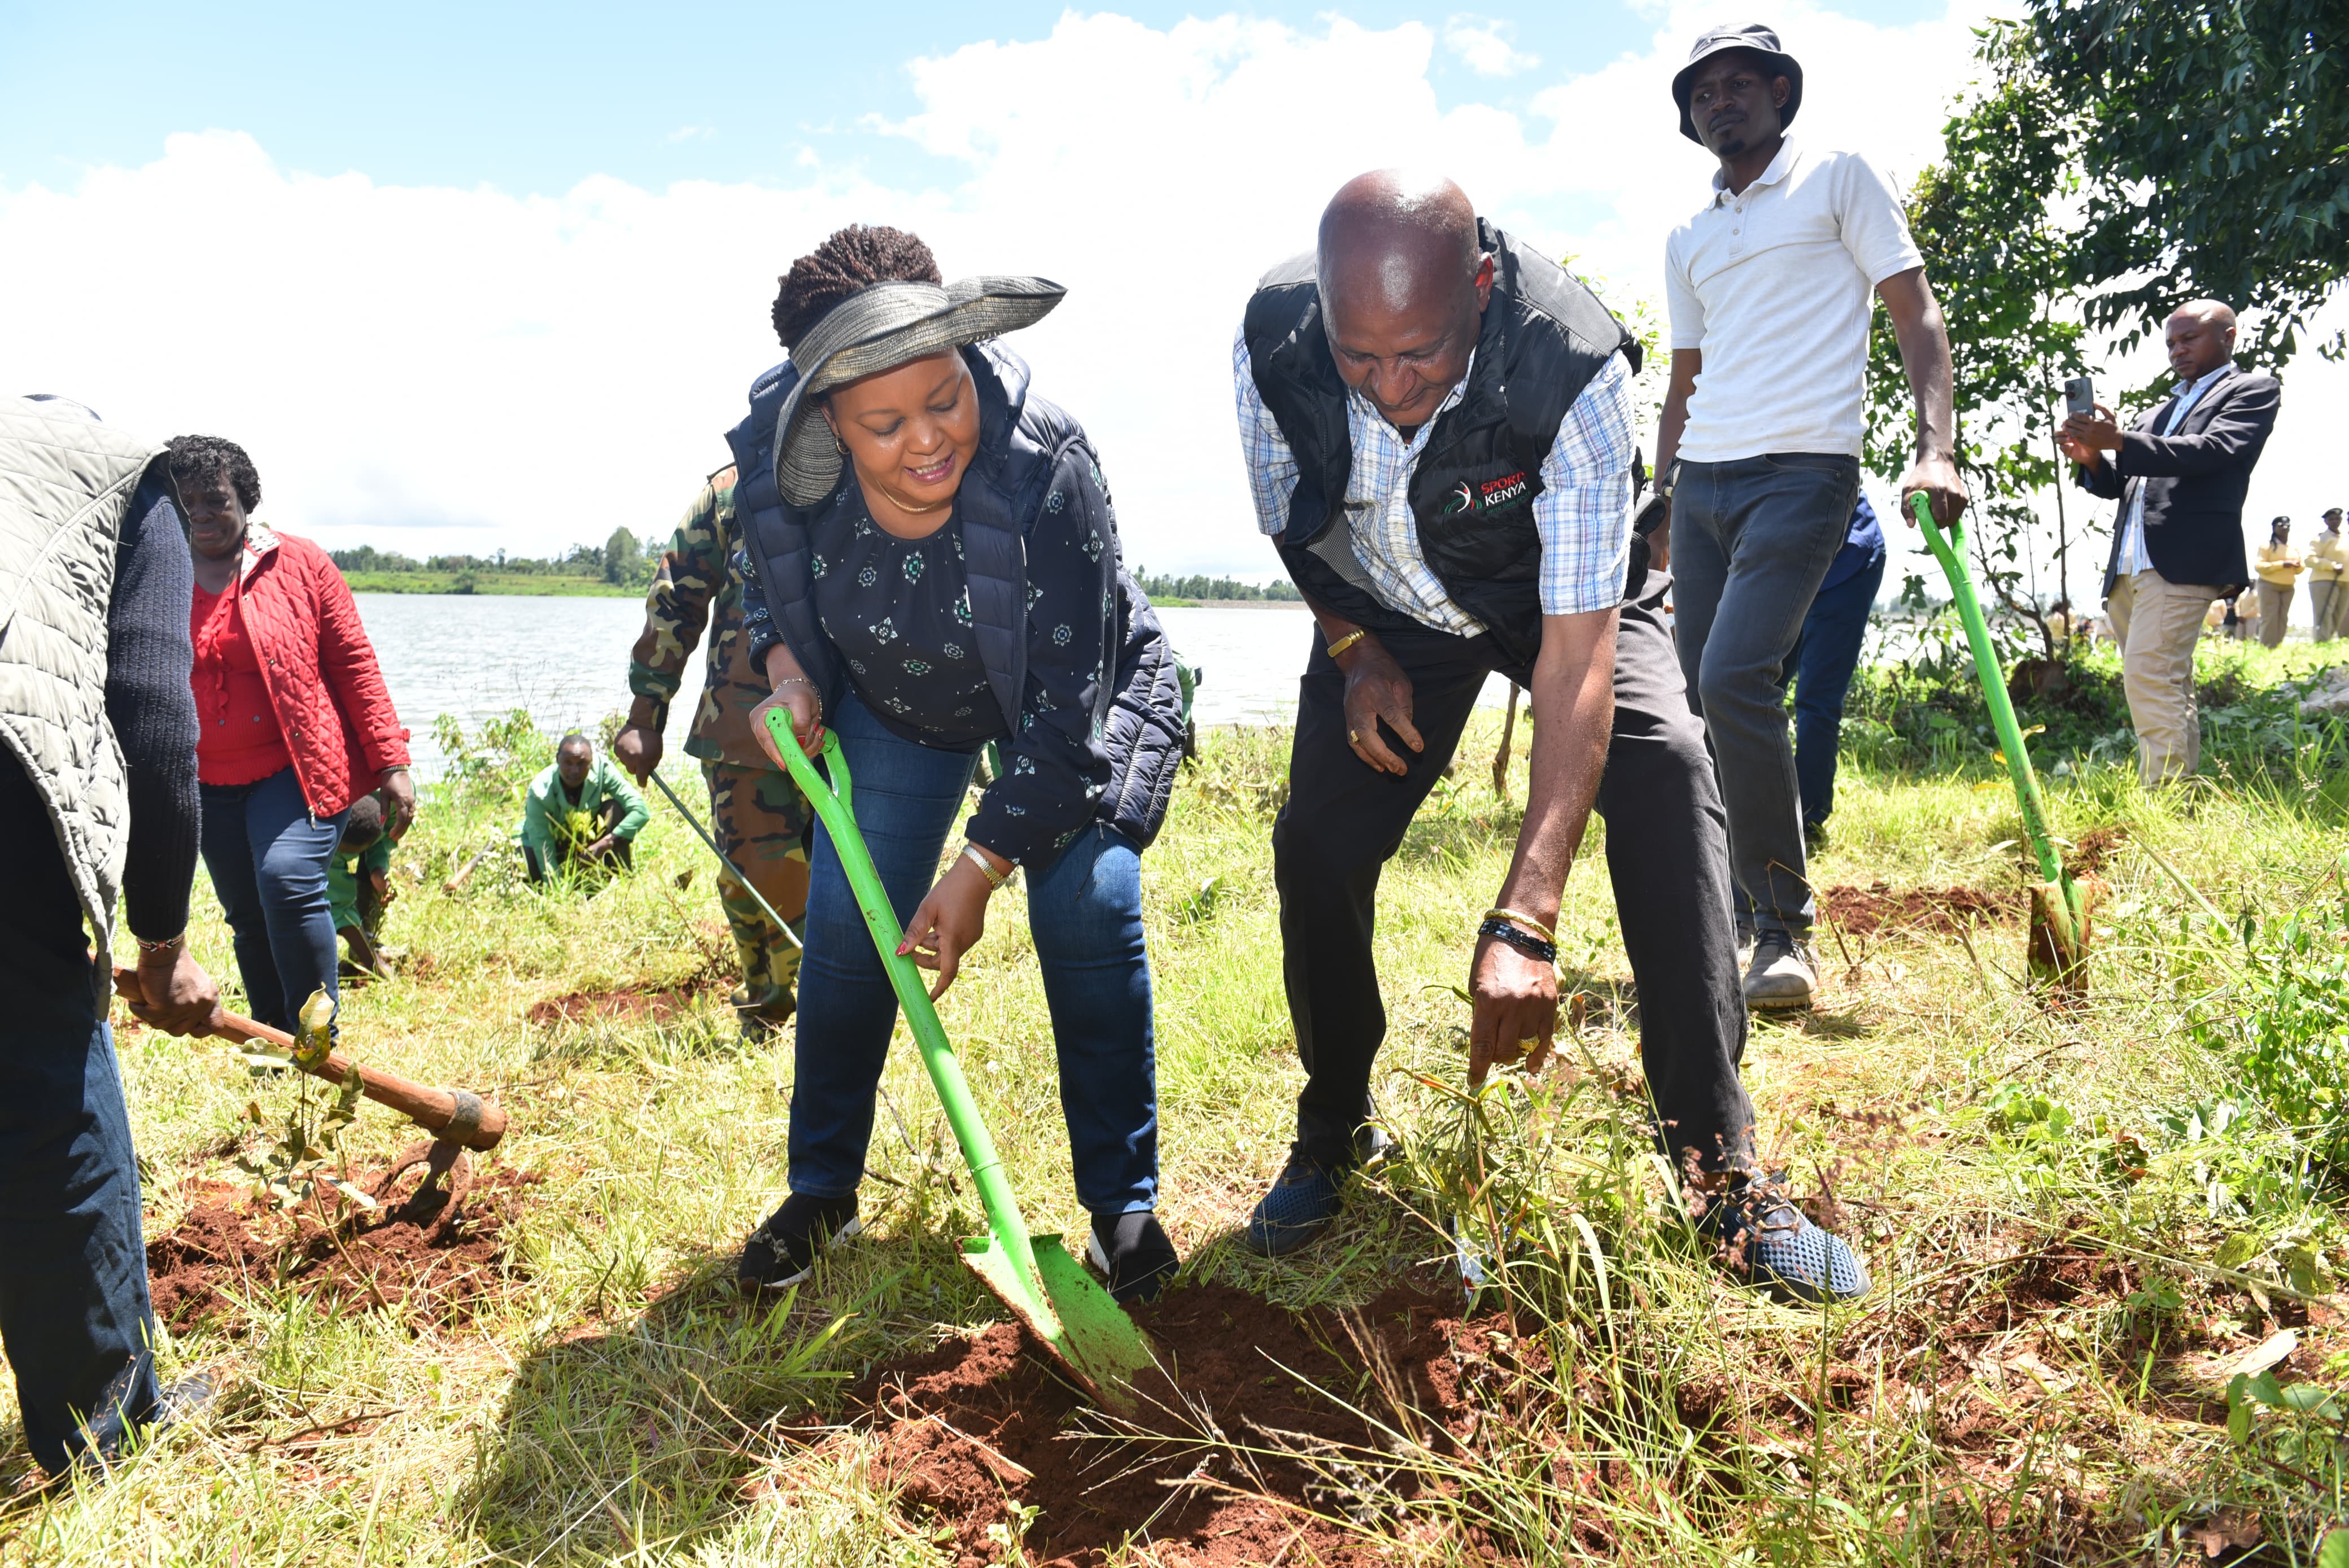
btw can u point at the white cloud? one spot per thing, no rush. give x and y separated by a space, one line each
478 369
1484 46
689 133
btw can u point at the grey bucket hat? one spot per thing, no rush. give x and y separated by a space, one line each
1753 36
880 328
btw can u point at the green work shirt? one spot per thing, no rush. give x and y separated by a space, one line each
547 810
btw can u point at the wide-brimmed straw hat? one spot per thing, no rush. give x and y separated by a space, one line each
1763 41
879 328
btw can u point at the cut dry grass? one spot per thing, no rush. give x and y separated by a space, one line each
2031 1381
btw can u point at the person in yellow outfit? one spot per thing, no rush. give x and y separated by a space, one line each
2279 566
2328 564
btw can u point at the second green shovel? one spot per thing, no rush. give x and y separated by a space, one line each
1065 1308
2063 906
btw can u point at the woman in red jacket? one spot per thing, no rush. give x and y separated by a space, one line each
295 725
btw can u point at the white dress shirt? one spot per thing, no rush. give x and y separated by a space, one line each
2133 558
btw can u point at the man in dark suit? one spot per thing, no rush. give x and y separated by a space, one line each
2180 477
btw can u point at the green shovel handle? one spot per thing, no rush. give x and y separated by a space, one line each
831 798
1949 549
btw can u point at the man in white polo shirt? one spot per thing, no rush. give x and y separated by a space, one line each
1770 292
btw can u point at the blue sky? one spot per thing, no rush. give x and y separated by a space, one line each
534 98
472 277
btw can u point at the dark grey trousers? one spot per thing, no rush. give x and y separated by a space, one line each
1667 857
1752 541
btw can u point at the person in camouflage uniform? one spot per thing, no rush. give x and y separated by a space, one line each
757 814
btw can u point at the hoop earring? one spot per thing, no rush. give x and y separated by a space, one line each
838 446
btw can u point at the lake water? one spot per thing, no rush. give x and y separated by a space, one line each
566 660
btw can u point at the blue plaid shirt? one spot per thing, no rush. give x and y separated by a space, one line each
1583 513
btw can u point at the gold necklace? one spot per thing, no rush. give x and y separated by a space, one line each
917 511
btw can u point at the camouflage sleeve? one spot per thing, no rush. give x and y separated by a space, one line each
677 607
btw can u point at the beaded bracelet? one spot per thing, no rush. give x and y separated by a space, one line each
1525 942
1527 920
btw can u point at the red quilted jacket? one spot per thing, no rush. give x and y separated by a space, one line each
320 669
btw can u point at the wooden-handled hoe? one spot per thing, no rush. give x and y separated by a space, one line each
1067 1310
2062 907
458 1119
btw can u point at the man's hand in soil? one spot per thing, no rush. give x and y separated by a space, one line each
951 921
599 849
1376 690
1516 998
639 748
176 995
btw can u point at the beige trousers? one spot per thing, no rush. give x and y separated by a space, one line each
2325 597
2156 623
2275 611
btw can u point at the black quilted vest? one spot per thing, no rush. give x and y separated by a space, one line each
1542 339
1021 440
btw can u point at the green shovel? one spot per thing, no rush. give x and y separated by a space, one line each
2062 905
1065 1308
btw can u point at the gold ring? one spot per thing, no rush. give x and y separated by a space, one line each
1530 1045
1353 737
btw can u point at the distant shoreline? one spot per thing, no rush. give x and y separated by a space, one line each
1172 603
488 584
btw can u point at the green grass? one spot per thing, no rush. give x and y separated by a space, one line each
2024 1386
530 584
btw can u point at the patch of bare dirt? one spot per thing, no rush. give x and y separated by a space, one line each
984 1426
1879 907
613 1006
431 1259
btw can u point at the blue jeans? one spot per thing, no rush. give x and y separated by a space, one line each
267 856
1821 669
73 1263
1752 541
1084 910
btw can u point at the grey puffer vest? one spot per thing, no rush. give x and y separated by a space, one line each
66 481
1021 440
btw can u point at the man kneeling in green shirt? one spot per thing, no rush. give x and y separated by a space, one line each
580 812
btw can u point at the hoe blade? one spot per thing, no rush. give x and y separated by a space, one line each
1079 1322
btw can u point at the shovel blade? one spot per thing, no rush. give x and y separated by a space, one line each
1080 1323
2063 923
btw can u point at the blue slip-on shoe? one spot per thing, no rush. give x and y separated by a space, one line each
1304 1199
1766 1241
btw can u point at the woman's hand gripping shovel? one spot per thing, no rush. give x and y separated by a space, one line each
2062 906
1067 1310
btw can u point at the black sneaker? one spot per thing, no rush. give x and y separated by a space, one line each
1135 1254
782 1251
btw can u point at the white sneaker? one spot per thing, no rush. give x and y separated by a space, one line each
1781 975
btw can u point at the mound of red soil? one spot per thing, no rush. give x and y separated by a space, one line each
2095 849
625 1006
426 1260
1879 907
984 1426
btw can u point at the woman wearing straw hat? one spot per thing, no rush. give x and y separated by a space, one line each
932 563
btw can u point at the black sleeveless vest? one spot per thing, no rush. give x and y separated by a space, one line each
1544 338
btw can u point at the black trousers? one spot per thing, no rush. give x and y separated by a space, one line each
1667 856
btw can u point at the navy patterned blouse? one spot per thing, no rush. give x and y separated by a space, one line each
1056 767
899 611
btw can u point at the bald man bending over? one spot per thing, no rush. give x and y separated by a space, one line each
2180 477
1436 422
